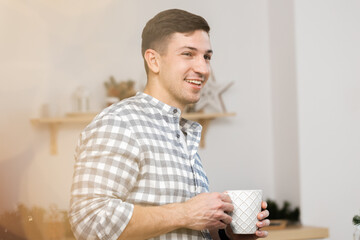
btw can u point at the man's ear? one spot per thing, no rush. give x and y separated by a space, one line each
152 60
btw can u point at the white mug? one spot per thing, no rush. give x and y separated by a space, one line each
247 205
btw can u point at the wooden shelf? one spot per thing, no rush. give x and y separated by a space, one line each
53 123
298 233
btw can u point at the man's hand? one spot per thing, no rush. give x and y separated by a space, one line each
259 234
207 211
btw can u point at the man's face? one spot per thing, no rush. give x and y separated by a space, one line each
184 68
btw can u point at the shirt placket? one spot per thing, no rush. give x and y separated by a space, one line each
180 135
191 157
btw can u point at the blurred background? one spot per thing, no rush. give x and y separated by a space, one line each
295 69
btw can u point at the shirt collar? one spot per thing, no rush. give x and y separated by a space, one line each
163 107
170 111
190 128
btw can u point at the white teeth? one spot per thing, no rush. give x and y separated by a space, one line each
194 81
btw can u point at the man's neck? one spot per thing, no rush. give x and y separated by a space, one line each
152 90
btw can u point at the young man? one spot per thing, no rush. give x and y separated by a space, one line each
137 172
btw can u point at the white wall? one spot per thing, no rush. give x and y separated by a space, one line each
49 48
284 101
328 59
238 153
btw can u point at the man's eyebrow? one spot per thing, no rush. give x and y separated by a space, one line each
195 49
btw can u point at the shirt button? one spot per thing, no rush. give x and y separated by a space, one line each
175 111
178 135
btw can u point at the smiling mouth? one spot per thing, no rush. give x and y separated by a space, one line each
196 82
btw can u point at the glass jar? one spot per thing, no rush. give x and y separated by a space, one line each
82 99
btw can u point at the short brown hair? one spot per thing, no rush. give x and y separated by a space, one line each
158 29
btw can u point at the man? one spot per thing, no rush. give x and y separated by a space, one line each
137 172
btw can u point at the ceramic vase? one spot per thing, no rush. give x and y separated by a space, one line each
356 235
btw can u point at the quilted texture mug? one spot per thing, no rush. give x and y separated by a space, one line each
247 205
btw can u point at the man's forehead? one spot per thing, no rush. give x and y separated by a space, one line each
196 40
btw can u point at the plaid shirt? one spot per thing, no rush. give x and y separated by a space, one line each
138 151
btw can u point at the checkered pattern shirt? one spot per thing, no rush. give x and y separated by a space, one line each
137 151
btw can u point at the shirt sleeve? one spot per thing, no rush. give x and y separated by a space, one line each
106 169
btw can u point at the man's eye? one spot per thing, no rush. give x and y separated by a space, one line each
189 54
207 57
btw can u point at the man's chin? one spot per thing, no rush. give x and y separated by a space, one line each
194 101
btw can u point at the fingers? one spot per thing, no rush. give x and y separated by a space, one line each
225 197
264 223
263 205
225 208
261 234
264 214
226 219
227 203
210 210
228 208
217 225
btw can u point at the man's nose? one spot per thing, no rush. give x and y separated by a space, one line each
201 66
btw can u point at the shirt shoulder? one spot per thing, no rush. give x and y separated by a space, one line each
125 107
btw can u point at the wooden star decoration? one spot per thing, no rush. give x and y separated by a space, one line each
211 96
